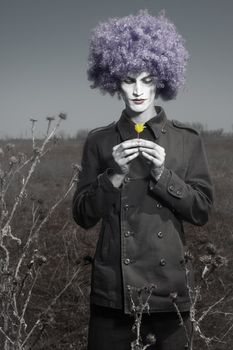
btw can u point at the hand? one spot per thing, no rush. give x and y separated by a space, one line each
155 153
124 153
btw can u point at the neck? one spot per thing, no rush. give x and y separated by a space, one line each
141 117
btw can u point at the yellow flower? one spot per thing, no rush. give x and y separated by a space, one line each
139 127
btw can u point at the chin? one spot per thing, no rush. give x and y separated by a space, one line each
138 108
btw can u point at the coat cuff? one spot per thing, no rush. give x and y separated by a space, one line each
168 183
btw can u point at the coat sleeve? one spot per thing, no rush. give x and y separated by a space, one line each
190 198
95 195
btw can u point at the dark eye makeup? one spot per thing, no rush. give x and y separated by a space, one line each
129 80
146 80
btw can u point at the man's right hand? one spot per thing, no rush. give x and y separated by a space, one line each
123 154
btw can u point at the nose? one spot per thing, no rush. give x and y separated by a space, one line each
137 90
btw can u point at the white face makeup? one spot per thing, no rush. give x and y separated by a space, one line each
138 92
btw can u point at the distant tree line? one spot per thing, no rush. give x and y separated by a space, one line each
201 128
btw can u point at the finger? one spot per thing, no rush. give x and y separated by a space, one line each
118 155
128 151
131 157
127 144
150 144
147 143
153 152
156 162
126 160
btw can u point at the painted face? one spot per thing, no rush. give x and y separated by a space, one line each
138 91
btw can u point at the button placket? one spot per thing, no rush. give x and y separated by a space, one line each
125 233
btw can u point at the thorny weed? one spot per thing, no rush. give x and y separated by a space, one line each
140 304
211 262
18 276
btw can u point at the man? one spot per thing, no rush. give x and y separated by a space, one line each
142 176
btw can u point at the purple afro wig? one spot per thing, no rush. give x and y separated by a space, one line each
133 44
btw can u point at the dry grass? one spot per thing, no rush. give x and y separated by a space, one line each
65 246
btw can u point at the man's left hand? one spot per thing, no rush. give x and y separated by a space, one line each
155 153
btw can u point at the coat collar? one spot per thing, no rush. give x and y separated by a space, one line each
126 126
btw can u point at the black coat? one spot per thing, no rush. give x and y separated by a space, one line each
141 240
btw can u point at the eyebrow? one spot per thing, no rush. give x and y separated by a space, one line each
133 78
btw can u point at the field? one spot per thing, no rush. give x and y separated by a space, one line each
66 248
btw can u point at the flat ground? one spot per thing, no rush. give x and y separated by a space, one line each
65 245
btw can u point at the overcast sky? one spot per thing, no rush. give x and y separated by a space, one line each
43 62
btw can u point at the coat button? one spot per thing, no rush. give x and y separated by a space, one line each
182 262
162 262
178 192
127 261
171 188
158 205
127 179
126 207
164 131
160 234
127 233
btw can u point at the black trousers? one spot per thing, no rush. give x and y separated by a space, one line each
111 329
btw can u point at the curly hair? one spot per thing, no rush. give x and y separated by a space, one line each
133 44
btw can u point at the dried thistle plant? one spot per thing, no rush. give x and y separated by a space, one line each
19 273
211 261
139 302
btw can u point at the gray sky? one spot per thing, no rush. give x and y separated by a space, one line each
43 62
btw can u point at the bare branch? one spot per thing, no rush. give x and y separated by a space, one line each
6 336
39 321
